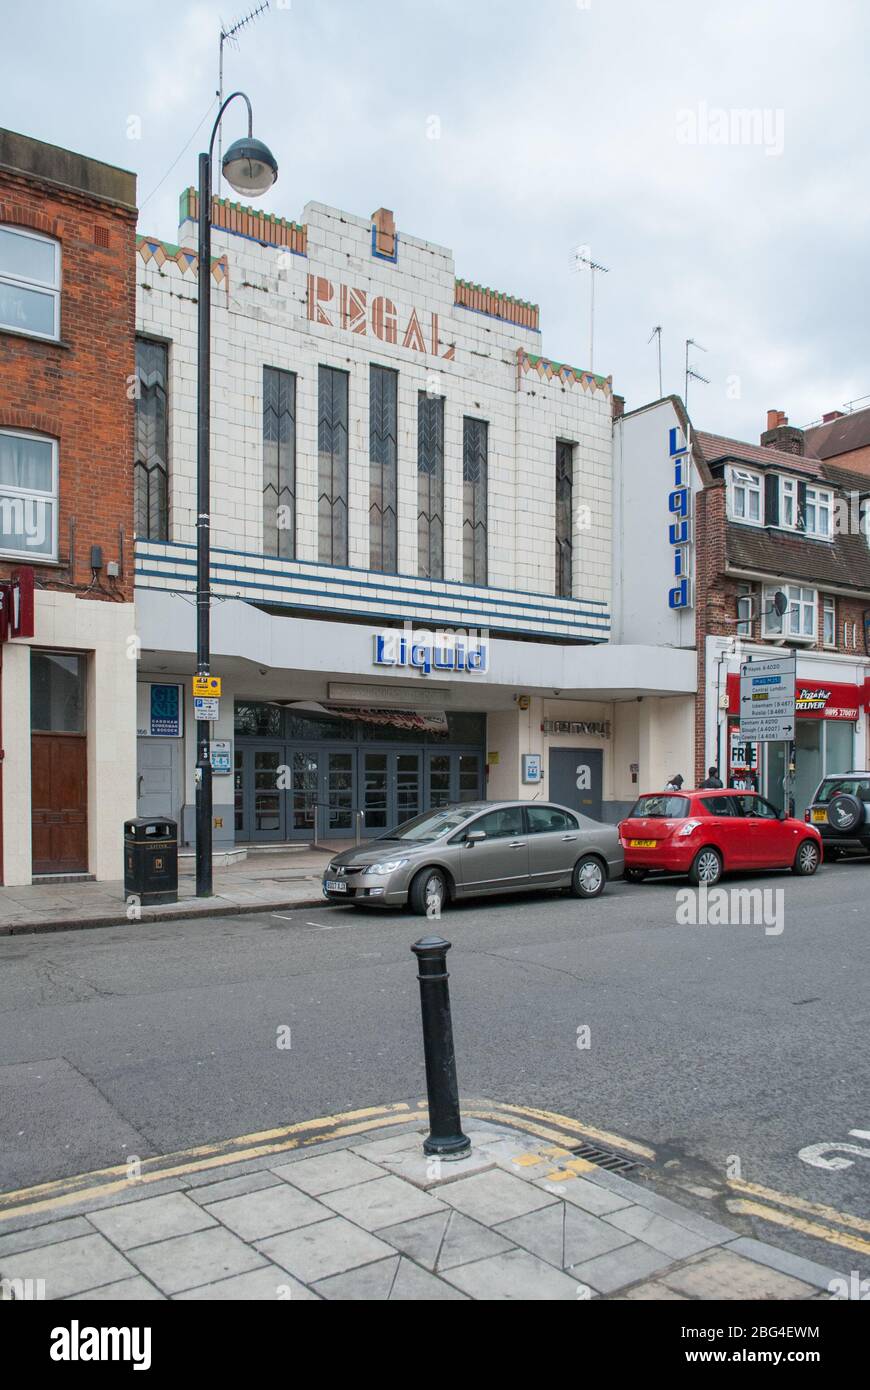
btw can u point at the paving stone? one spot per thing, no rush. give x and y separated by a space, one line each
267 1213
71 1266
444 1240
722 1274
785 1262
185 1262
328 1172
586 1195
610 1272
261 1285
370 1284
494 1197
562 1235
330 1247
515 1274
31 1237
233 1187
385 1201
424 1171
375 1149
135 1290
654 1291
640 1195
414 1285
154 1218
659 1232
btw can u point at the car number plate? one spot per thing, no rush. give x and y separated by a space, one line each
335 885
820 817
642 844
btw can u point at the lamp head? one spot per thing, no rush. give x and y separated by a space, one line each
249 167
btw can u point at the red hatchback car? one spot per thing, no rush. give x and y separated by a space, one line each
705 833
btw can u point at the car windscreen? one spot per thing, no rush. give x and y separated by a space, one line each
431 825
663 807
854 786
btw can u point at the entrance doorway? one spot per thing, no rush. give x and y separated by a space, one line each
576 779
58 763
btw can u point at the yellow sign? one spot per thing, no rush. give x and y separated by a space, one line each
207 685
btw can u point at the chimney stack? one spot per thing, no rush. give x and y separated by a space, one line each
832 415
384 224
781 435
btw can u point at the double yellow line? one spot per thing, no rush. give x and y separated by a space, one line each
562 1132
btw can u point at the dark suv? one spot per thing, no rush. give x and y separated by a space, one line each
840 811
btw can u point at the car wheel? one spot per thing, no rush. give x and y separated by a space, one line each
806 861
589 877
428 894
634 875
706 867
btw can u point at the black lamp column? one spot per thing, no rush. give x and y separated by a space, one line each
250 168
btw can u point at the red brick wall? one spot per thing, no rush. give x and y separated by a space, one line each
76 390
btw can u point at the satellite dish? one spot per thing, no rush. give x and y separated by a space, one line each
780 603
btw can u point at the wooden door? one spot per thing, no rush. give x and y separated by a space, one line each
59 795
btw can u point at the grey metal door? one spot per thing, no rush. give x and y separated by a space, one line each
576 776
158 780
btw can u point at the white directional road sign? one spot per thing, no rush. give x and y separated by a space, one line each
767 699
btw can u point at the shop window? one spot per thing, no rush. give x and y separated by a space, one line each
151 444
383 469
57 693
564 519
28 496
29 283
430 486
474 500
332 446
279 463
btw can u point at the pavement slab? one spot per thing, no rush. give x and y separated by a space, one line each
516 1274
494 1197
562 1235
262 1285
387 1200
658 1231
722 1274
70 1267
268 1212
331 1247
188 1261
328 1172
151 1219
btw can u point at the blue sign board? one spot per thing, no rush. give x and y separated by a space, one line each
165 717
680 524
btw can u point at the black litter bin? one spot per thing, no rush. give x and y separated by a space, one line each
151 860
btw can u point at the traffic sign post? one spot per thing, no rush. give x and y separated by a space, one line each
767 708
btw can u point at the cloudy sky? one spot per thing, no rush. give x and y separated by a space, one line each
614 125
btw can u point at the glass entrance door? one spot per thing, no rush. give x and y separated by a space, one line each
302 793
391 789
267 800
453 777
338 793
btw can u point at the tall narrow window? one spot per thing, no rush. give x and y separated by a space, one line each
383 452
279 463
474 484
564 519
430 485
332 466
151 460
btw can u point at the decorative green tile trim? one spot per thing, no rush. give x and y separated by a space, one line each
547 370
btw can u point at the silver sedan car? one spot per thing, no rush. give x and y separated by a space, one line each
473 848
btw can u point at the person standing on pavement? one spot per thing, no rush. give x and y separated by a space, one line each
712 779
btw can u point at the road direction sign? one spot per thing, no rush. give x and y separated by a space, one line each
767 699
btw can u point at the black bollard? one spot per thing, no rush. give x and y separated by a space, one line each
445 1123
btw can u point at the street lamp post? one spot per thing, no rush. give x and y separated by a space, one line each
250 168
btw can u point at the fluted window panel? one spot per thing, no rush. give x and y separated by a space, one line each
279 463
332 430
475 434
151 457
564 519
383 468
430 486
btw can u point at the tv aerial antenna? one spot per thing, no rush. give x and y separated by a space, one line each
657 333
691 374
581 258
228 35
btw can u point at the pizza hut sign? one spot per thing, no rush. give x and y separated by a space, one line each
835 701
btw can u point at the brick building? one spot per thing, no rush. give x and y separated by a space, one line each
393 457
67 247
843 438
737 525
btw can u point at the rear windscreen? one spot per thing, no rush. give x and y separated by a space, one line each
666 807
855 786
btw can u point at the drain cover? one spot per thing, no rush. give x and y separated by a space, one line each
605 1158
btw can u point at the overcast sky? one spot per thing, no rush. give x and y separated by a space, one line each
563 123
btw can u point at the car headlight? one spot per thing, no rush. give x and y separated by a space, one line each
688 827
389 866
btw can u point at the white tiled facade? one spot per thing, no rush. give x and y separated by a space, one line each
338 304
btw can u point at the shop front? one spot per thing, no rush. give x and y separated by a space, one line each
829 738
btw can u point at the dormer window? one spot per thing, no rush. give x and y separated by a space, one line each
745 490
788 503
818 513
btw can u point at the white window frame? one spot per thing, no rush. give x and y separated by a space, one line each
749 484
744 610
33 557
801 602
820 499
788 491
51 288
865 520
829 610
